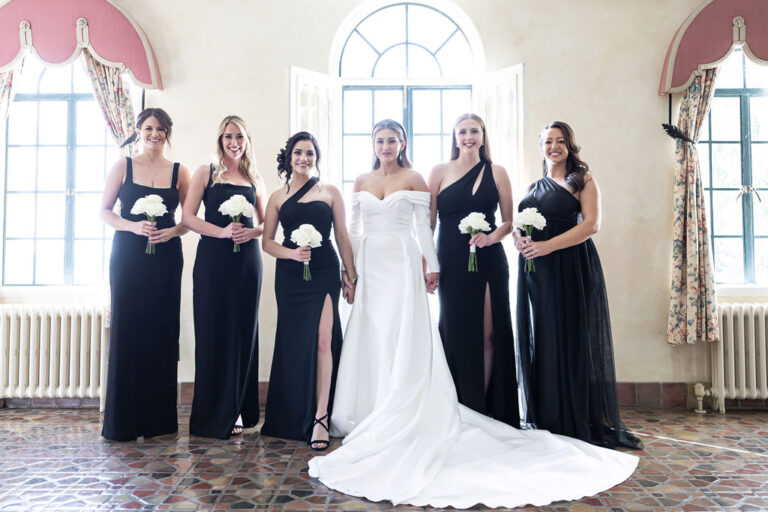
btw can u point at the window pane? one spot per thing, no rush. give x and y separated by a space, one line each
731 74
52 169
49 262
391 64
347 191
56 79
726 213
760 215
758 112
357 111
388 104
447 148
358 154
761 260
385 28
89 263
757 75
455 103
51 216
19 258
426 152
90 124
760 165
426 111
729 260
89 169
726 165
21 169
726 120
704 131
53 122
87 221
455 57
26 82
440 27
22 123
703 152
421 64
20 215
81 80
358 58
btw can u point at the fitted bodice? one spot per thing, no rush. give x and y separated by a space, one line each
130 192
392 215
561 208
293 213
216 193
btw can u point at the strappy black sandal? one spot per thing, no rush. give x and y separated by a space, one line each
236 430
322 443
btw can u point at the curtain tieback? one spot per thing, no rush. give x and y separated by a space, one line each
748 189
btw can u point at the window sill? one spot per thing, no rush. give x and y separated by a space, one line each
54 294
735 290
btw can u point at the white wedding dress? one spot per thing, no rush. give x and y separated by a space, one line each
408 440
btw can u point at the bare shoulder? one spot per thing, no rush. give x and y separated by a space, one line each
360 181
416 181
331 189
589 178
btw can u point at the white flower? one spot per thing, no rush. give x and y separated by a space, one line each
530 217
473 223
152 206
236 205
306 236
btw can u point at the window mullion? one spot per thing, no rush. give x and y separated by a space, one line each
69 196
746 199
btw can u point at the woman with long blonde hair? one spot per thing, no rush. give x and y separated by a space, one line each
227 285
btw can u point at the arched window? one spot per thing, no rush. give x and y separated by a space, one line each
57 154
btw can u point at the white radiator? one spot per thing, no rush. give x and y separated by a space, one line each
53 350
740 358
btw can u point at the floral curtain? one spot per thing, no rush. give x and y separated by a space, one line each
692 312
6 89
115 100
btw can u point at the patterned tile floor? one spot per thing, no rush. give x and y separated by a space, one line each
54 459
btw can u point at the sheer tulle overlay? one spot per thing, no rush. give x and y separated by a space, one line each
407 438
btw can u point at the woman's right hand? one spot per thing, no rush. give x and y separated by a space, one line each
144 227
227 231
301 254
522 242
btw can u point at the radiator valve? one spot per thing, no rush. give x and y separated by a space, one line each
700 391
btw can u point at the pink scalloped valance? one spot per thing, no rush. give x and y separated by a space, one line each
707 36
57 30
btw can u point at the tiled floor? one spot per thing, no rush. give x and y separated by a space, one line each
54 459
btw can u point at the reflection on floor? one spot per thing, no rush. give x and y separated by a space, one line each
54 459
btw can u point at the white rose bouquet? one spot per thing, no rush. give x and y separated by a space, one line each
472 224
527 220
306 236
236 206
152 207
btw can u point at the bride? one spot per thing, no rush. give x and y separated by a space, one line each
407 438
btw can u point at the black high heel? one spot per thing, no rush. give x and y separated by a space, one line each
323 444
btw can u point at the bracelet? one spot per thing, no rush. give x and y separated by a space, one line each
353 280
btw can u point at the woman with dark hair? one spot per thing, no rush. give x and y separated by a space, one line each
227 285
408 440
475 321
564 329
308 337
146 288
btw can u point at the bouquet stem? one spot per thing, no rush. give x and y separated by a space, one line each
472 267
150 246
530 266
307 275
236 248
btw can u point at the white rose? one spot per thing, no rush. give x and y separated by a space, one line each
475 221
236 205
151 206
306 236
530 217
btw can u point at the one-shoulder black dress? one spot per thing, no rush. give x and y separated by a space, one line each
144 333
564 331
291 401
462 300
226 293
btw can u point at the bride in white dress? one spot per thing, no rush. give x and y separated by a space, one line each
408 440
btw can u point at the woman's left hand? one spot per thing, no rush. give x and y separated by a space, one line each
535 249
481 240
430 279
160 236
241 234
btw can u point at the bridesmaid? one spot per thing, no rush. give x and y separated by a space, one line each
146 288
226 291
308 338
564 327
475 321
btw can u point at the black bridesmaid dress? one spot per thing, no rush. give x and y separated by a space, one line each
564 331
227 286
462 300
291 401
144 334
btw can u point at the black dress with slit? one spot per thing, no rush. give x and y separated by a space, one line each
564 331
144 333
226 289
462 300
291 401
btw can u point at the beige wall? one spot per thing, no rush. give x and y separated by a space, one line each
593 63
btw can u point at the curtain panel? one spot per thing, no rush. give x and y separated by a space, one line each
114 99
6 89
693 306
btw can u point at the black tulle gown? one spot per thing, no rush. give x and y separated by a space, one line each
564 331
291 402
462 300
144 334
226 293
